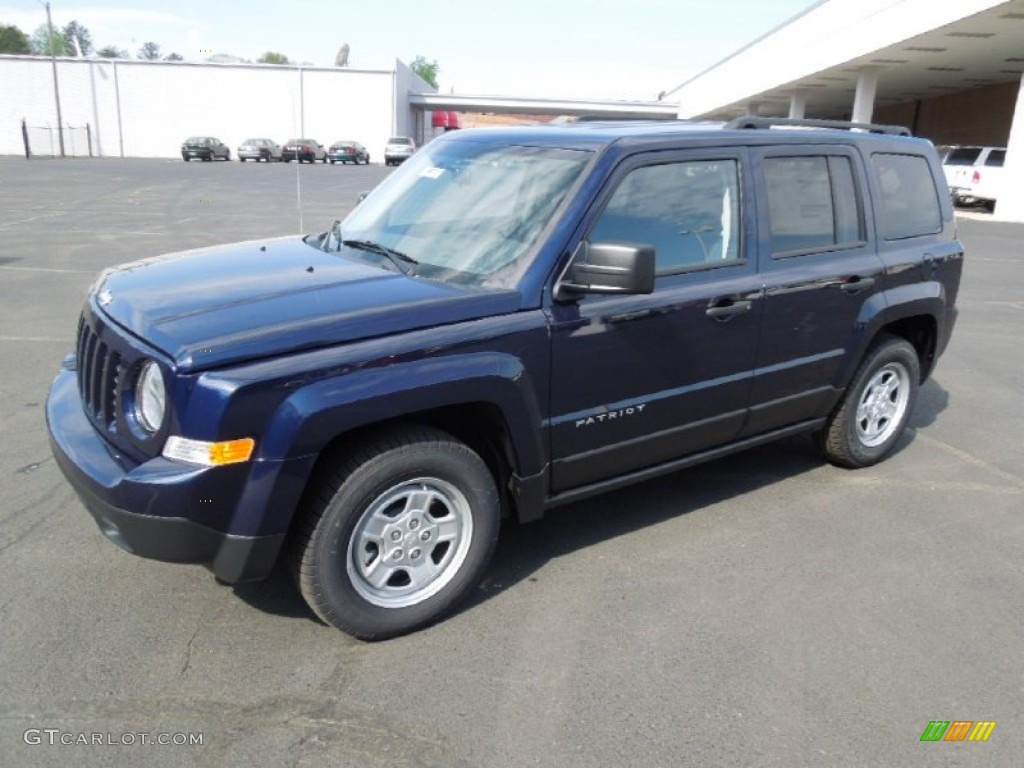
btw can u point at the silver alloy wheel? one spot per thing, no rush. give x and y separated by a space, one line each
883 404
410 542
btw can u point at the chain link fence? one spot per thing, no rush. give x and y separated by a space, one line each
44 140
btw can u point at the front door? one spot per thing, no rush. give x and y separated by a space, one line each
641 380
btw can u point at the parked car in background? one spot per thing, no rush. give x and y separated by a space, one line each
974 174
398 149
259 149
309 150
204 148
348 152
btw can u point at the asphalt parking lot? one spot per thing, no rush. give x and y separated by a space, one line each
763 610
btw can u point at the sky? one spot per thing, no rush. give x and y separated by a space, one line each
609 49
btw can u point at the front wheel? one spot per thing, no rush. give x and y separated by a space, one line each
397 534
875 409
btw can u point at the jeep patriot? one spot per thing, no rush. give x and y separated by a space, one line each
514 319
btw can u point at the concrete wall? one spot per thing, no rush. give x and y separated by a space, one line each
146 109
410 122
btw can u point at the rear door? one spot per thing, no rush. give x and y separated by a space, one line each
820 269
641 380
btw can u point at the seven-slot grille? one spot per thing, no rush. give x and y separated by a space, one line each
99 374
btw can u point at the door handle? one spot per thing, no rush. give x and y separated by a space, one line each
727 309
854 284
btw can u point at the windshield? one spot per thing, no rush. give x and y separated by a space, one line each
467 211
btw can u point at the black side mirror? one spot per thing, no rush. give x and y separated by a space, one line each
625 268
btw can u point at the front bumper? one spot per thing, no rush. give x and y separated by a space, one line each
142 507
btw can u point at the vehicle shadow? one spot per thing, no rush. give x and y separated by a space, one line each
524 549
932 399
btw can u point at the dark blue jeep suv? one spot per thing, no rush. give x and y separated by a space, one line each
513 320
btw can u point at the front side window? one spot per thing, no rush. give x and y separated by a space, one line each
910 201
689 211
812 204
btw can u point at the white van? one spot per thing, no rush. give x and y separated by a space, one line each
974 174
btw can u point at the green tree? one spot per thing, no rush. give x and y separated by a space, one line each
149 52
77 39
45 44
428 70
174 57
13 40
270 57
111 52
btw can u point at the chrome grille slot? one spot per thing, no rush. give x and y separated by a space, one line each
99 373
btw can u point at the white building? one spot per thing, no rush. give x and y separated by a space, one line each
147 108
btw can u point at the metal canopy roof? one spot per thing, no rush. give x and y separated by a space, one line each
984 49
514 105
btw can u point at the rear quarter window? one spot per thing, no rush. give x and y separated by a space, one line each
909 199
996 158
963 156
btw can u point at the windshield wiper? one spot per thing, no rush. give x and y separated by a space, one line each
399 259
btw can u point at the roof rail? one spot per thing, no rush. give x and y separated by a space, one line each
751 121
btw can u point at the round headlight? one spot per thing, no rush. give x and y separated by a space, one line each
150 397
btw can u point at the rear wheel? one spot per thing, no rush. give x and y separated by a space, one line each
875 409
397 534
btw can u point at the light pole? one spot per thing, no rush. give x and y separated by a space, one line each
56 87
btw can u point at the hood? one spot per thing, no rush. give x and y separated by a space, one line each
216 306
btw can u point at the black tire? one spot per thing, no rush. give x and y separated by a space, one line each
410 502
242 159
186 158
873 414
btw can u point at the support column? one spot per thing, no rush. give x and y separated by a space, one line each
798 105
754 108
864 100
1010 194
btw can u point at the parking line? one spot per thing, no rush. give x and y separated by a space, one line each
34 339
53 269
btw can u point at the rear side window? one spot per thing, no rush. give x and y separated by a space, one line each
812 204
910 202
963 156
